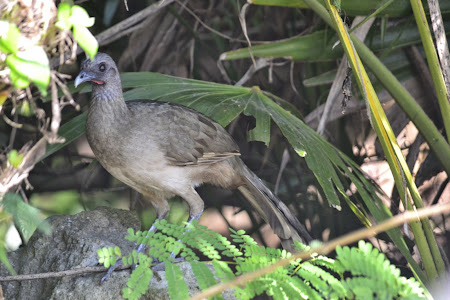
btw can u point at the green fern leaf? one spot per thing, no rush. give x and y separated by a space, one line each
137 284
223 270
334 284
314 280
328 263
305 291
26 217
178 289
205 278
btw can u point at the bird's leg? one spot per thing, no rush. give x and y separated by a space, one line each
196 206
190 219
162 210
152 228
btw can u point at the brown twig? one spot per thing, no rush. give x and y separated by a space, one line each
112 34
56 110
73 272
12 176
357 235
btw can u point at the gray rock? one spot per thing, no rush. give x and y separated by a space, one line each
73 244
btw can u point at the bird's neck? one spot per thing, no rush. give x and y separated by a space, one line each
108 101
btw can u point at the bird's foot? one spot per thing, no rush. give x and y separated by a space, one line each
110 270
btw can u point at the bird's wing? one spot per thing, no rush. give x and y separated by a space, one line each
189 138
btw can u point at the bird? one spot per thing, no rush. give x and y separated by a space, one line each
163 150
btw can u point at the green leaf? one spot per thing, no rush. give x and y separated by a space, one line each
70 132
205 277
64 11
5 224
18 80
26 109
79 17
139 279
223 270
300 152
86 40
30 65
178 289
312 47
261 132
9 37
14 158
26 217
5 261
100 253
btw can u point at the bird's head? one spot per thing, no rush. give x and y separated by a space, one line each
100 72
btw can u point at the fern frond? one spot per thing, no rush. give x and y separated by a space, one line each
370 273
108 256
178 289
334 285
137 285
328 263
223 271
205 277
304 290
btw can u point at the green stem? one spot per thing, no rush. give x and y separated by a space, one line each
424 250
433 63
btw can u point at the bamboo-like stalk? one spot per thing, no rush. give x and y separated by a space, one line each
433 63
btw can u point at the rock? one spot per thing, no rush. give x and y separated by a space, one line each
73 244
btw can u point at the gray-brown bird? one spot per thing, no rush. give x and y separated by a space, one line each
163 149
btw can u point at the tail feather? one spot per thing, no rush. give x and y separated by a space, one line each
273 210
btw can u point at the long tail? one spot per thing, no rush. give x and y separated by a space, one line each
273 211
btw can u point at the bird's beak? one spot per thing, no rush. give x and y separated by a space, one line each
83 77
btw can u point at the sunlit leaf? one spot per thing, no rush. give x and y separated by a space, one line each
14 158
30 65
64 22
70 132
177 286
86 40
18 80
9 37
80 17
26 109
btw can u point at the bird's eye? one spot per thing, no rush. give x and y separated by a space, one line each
102 67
